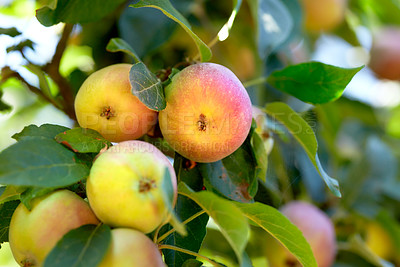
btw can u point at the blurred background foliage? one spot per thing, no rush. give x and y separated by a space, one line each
358 135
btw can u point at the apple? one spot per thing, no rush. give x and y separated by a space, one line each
105 103
317 229
208 114
323 15
385 54
129 248
125 187
33 234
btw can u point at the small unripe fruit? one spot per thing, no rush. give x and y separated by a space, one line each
323 15
33 234
208 113
125 186
385 54
131 248
106 104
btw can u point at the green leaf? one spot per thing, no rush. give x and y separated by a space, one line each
31 193
6 212
11 192
147 87
81 247
192 263
196 229
188 173
119 45
35 161
224 32
168 197
83 140
46 130
20 46
76 11
166 7
227 216
313 82
261 156
275 223
304 134
10 31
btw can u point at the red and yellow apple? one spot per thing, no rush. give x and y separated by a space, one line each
33 234
125 186
385 54
208 113
106 104
323 15
317 229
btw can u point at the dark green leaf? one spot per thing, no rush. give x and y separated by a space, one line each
83 140
20 46
304 134
275 223
35 161
188 172
31 193
147 87
46 130
166 7
226 215
274 24
81 247
6 212
119 45
76 11
185 208
10 31
4 107
313 82
192 263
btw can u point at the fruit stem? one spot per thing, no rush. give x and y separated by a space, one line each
188 220
190 253
256 81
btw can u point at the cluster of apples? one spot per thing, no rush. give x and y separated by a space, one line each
207 117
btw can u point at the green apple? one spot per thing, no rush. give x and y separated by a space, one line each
323 15
33 234
106 104
131 248
317 229
208 114
125 186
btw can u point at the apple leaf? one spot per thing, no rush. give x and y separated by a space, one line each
45 130
224 32
188 171
42 162
168 197
261 156
83 140
304 134
31 193
235 175
168 9
11 192
6 212
196 229
81 247
147 87
119 45
313 82
233 224
192 263
275 223
10 31
75 11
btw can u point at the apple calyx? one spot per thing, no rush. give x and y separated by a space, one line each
28 263
202 123
107 112
146 185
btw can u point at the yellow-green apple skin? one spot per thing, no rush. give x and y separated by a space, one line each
208 113
131 248
317 229
323 15
106 104
124 187
33 234
385 54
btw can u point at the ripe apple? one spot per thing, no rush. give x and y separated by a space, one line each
129 248
323 15
125 188
105 103
208 113
33 234
317 229
385 54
